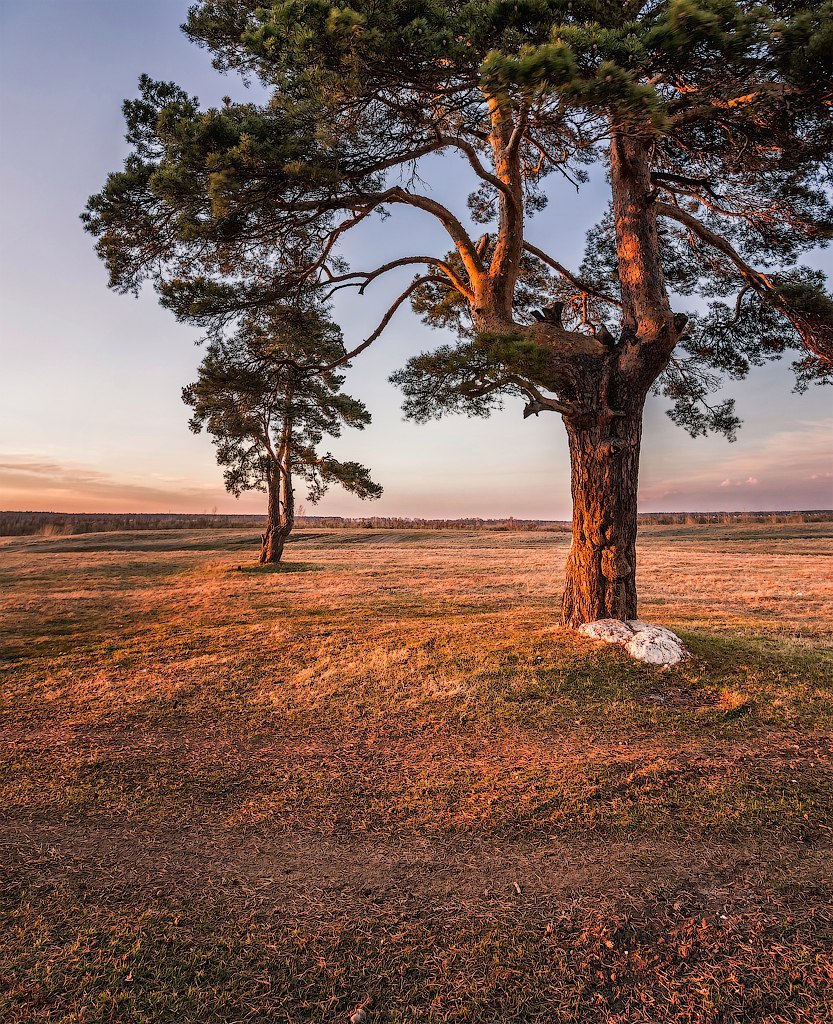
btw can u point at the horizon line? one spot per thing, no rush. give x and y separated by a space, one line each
490 519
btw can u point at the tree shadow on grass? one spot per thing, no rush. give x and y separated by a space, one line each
138 541
280 568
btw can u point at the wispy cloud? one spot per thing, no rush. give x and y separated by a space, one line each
750 481
36 482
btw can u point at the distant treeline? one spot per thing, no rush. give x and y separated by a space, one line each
646 518
54 524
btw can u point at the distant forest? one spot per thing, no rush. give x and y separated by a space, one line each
55 524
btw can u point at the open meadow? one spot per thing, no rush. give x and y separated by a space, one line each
380 781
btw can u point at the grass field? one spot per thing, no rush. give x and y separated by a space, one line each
380 781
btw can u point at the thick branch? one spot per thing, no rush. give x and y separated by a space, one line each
459 235
647 317
505 265
513 145
663 177
536 401
474 159
367 276
535 397
370 201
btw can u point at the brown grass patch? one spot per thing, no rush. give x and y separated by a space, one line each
384 773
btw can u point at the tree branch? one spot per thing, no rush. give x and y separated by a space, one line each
536 398
537 402
520 128
760 282
332 238
474 159
663 177
386 319
577 282
367 276
459 235
369 201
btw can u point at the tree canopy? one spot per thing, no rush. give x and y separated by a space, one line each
733 100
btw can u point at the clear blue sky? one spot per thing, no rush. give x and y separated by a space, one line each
90 409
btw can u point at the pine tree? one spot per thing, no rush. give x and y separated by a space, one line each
267 397
711 117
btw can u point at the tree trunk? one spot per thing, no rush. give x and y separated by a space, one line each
601 567
271 547
605 436
280 516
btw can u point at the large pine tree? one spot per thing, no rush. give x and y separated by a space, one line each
711 117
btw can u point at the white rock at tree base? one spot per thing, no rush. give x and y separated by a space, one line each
638 626
655 645
612 631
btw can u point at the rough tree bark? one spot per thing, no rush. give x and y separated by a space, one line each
604 469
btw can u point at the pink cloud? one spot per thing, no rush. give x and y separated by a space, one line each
30 483
788 469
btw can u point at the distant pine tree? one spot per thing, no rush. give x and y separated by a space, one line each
267 398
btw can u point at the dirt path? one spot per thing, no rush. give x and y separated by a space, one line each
308 872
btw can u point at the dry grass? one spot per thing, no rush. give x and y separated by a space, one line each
382 773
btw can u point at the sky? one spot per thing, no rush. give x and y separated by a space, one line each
91 417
